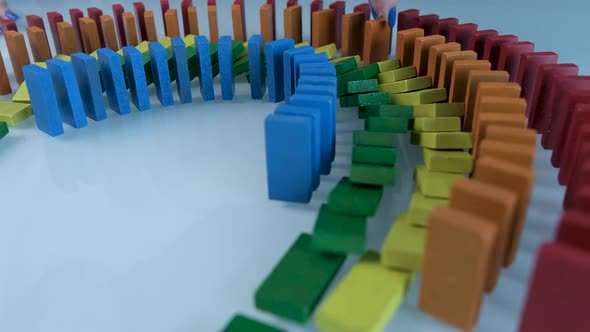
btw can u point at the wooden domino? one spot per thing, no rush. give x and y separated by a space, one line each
473 79
490 88
19 56
109 32
460 77
150 26
238 22
213 25
89 35
292 23
405 45
421 52
446 66
172 26
67 37
434 59
39 44
376 41
323 32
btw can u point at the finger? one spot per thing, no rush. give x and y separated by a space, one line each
392 17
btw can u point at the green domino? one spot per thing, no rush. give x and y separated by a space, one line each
372 174
388 65
365 99
345 66
3 129
388 111
364 73
14 113
420 97
397 75
362 86
363 137
339 233
354 199
294 287
443 141
241 66
386 125
237 48
242 323
373 155
439 109
438 124
412 84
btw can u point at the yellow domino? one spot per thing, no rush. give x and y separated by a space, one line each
365 299
437 124
427 96
13 113
448 161
442 140
356 57
330 50
435 184
439 109
396 75
63 57
302 44
403 247
22 93
388 65
420 207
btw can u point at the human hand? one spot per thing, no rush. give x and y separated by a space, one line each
5 12
386 9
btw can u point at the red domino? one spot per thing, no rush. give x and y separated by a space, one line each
95 14
580 179
339 8
140 16
574 229
460 33
9 25
477 41
578 135
561 117
118 11
75 16
509 57
184 8
407 19
35 21
53 18
582 198
292 3
164 6
315 6
574 105
211 2
545 77
426 22
559 293
365 8
443 26
493 47
528 71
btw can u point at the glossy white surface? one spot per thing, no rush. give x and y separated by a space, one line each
159 221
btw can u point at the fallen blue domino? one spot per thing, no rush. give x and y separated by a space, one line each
113 79
314 114
226 67
289 68
43 100
205 68
274 51
256 65
161 73
183 82
67 92
325 104
289 168
86 68
137 78
317 69
300 59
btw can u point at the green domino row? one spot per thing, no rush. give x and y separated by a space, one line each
354 199
3 129
364 73
365 99
241 323
362 86
339 233
345 66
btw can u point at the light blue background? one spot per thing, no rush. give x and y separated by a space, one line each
159 221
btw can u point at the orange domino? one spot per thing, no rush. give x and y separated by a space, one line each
494 104
457 257
376 42
421 50
193 20
150 25
493 204
486 119
130 29
434 57
266 22
17 49
404 47
110 34
5 87
39 44
292 23
499 89
511 177
516 153
213 25
171 21
473 79
460 76
323 32
67 38
238 23
525 136
447 60
89 34
353 34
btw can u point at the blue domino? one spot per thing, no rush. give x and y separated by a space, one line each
136 78
67 92
327 131
113 80
257 71
88 77
226 67
183 82
317 69
205 67
43 100
161 73
274 51
300 59
289 157
315 115
289 68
